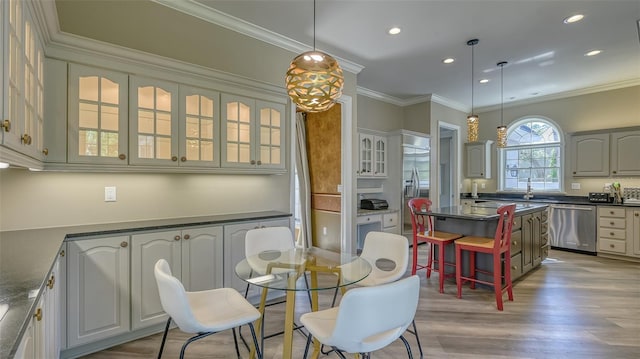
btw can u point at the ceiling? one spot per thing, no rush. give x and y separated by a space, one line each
545 56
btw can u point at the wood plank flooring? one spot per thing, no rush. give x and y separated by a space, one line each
572 306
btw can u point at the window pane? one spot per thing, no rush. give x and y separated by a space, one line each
275 137
275 155
207 151
163 100
145 146
275 118
109 118
163 124
264 135
109 144
193 103
206 106
145 121
232 131
87 143
109 91
245 113
265 155
163 148
232 111
88 88
88 115
192 127
245 153
244 132
265 117
145 97
552 157
206 129
193 150
232 153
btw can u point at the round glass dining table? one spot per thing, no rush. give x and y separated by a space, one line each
280 270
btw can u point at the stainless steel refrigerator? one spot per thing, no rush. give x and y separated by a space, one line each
415 173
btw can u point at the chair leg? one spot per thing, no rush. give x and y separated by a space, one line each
507 275
164 337
235 342
306 348
459 270
497 280
406 344
441 266
472 269
191 340
415 332
259 351
414 264
431 248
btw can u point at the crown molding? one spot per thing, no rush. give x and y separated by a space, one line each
412 101
216 17
558 96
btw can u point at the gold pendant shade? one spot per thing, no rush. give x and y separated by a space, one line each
502 137
473 122
502 129
314 81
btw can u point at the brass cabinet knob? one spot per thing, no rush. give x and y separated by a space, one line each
574 172
38 314
122 156
253 162
176 238
637 214
614 172
124 244
26 139
62 253
183 159
45 151
259 162
174 158
6 125
611 212
514 243
481 174
51 282
612 223
612 234
612 246
186 237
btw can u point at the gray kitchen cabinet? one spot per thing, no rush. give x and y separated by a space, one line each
22 94
478 159
635 233
97 289
625 147
234 251
97 116
199 133
516 248
194 255
590 155
618 232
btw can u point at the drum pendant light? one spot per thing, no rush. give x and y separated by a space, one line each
502 129
314 80
473 121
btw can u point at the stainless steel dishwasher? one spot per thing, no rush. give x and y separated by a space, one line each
573 227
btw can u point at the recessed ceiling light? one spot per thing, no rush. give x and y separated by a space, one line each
484 81
4 165
592 53
394 31
448 60
535 93
573 18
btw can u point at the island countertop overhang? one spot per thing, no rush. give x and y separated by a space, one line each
484 212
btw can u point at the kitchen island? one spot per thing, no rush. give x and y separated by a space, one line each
529 237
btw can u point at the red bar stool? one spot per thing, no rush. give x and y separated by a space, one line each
498 246
424 231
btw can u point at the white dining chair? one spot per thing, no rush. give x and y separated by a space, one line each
204 312
388 255
367 319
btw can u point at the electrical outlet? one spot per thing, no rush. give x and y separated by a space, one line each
483 186
607 187
575 185
109 194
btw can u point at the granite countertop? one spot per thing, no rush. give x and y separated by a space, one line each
483 213
550 199
27 257
367 212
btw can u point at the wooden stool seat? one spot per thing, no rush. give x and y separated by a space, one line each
423 231
498 247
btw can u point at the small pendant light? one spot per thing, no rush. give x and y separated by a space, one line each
473 121
502 129
314 80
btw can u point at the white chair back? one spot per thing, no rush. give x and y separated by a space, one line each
370 318
380 247
174 299
266 239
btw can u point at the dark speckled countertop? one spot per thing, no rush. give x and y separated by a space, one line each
27 256
543 198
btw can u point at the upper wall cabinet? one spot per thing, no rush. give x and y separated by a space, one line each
606 154
478 159
199 127
250 142
625 150
373 156
590 155
22 80
153 122
97 110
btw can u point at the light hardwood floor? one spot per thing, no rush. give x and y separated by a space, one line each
572 306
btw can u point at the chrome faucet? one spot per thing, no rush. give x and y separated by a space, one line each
529 193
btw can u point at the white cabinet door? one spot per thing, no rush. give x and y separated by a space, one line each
625 147
380 156
153 122
97 289
202 258
238 131
146 250
199 127
590 155
270 135
366 155
27 347
97 108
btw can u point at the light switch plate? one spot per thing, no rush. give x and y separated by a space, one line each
109 194
575 185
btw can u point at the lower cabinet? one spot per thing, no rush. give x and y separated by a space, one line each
619 231
194 255
234 251
516 248
97 289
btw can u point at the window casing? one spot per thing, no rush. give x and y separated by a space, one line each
534 150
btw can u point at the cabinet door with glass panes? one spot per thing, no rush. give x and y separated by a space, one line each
153 122
199 127
238 131
22 80
97 116
271 123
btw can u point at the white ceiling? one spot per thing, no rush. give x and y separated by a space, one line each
546 56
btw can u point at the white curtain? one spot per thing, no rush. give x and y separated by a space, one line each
302 167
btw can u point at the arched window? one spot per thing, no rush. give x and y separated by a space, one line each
534 150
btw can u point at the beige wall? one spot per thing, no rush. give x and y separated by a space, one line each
417 117
596 111
51 199
378 115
